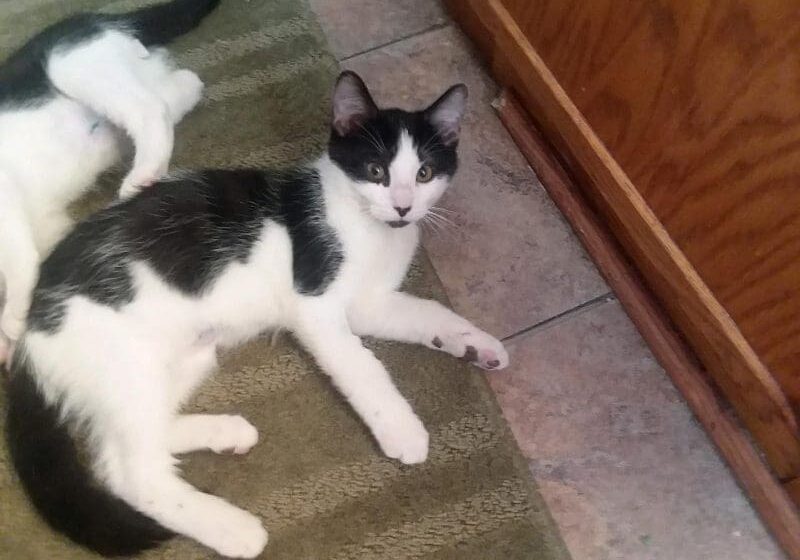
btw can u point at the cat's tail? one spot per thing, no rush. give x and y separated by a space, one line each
60 485
160 24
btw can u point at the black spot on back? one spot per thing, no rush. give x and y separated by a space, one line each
188 231
316 251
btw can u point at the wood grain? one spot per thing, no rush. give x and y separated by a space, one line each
769 497
728 356
699 103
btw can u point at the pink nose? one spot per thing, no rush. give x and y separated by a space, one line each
402 211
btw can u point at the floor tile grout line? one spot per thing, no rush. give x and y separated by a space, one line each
555 319
430 29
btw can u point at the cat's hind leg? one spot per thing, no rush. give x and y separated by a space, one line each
102 74
144 432
154 488
219 433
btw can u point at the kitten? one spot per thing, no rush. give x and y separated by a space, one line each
132 306
62 95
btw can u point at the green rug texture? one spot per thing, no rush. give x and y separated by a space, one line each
317 479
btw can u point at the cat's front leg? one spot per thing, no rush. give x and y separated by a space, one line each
362 379
399 316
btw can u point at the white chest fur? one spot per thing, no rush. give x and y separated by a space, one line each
375 255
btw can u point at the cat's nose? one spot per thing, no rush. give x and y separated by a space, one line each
402 211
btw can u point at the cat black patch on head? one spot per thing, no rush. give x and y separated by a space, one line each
371 135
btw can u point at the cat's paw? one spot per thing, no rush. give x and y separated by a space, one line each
236 534
132 185
473 345
402 436
145 175
232 434
188 91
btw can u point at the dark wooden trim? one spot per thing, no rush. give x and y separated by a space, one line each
765 491
713 335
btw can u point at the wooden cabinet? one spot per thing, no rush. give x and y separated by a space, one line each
681 122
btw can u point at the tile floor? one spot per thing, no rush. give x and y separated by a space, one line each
626 470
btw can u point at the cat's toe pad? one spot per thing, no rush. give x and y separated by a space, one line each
474 346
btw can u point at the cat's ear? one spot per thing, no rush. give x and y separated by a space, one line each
352 103
446 113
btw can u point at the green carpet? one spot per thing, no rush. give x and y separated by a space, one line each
316 479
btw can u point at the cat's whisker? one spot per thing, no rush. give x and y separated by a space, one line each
426 225
449 222
443 209
376 142
436 223
431 223
448 230
443 219
444 225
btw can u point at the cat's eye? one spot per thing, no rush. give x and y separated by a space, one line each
424 174
375 172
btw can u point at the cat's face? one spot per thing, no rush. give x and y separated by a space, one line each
400 162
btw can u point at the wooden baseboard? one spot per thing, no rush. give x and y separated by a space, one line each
716 339
766 493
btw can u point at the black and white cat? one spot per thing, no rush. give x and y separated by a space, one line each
132 306
62 97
